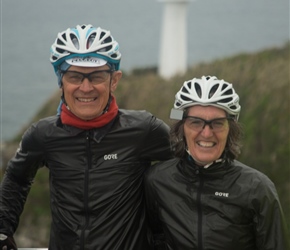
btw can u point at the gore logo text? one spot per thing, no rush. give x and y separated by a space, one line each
221 194
110 157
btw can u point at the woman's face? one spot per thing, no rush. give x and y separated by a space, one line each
206 145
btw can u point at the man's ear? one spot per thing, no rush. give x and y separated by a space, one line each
116 76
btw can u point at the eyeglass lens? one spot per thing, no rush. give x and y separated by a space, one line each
198 124
95 77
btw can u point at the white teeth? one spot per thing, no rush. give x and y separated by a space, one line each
86 100
206 144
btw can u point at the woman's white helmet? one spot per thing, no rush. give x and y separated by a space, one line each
85 41
207 91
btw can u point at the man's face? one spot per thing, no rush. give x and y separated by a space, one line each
87 100
206 145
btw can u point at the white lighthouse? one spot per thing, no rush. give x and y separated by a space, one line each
173 46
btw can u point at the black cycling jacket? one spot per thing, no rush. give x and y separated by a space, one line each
96 180
223 207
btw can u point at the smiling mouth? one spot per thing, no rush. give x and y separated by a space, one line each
206 144
86 99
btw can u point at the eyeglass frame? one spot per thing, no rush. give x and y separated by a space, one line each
209 122
86 75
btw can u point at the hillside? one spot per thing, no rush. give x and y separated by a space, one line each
261 80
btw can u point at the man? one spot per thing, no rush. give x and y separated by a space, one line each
96 153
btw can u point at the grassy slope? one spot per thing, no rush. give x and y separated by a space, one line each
262 81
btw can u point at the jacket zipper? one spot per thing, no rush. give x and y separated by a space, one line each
86 187
199 211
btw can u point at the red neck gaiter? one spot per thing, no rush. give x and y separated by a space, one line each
68 118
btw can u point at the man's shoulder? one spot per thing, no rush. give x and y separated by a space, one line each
136 116
134 113
43 125
47 121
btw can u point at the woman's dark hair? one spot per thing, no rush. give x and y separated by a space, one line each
232 148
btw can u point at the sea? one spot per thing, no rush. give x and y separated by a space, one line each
215 29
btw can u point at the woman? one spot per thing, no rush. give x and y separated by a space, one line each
205 198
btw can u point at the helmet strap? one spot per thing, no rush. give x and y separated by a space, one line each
108 104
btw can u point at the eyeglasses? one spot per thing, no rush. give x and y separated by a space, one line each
198 124
95 77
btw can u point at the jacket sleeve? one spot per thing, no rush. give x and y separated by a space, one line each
17 180
156 147
270 224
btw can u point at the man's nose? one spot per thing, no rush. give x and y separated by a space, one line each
86 85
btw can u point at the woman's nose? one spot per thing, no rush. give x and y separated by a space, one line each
207 131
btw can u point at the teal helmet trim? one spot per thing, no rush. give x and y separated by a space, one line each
114 64
63 67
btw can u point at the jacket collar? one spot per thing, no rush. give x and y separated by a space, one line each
215 170
97 134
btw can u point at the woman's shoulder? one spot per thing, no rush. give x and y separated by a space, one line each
163 168
251 174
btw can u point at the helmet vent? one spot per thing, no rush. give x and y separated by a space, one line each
75 41
226 100
184 90
102 34
106 41
213 90
114 55
91 40
60 50
185 98
60 42
229 92
224 86
197 89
